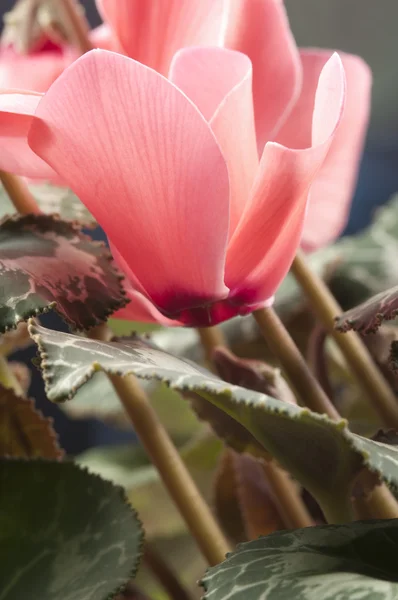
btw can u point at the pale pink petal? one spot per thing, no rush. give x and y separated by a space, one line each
151 31
219 82
146 164
333 189
141 309
260 29
263 246
30 72
103 37
17 109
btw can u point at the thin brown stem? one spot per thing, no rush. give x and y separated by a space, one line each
290 505
168 462
211 338
172 470
368 376
380 501
164 574
293 363
77 24
19 194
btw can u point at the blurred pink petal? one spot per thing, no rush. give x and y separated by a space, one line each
333 188
30 72
146 164
260 29
151 31
103 37
17 109
264 244
219 82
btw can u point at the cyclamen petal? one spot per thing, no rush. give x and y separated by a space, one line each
146 164
260 29
17 110
151 31
219 82
263 246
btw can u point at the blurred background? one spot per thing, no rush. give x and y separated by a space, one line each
363 27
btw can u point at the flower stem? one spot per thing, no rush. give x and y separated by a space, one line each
290 505
172 470
380 501
211 338
297 370
368 376
19 194
77 24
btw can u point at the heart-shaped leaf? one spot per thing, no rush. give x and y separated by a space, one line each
328 562
328 463
24 432
48 263
65 533
368 317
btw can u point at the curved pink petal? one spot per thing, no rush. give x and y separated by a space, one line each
260 29
17 109
151 31
30 72
219 82
146 164
263 246
142 310
332 191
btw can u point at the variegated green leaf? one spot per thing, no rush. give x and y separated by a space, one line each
65 533
355 561
48 263
322 454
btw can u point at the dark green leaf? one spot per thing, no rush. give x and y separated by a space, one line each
327 463
368 317
48 263
355 561
65 533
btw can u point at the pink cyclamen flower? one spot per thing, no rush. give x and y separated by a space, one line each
202 227
151 31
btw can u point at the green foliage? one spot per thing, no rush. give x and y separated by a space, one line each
329 562
47 263
64 533
322 454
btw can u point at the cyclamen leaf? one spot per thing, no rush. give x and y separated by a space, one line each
368 317
47 263
24 432
328 562
329 462
65 533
